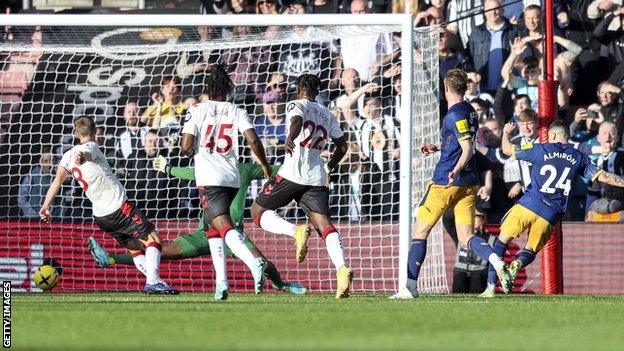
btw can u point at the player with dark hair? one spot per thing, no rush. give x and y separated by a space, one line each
554 167
111 210
454 185
196 244
217 84
210 136
303 178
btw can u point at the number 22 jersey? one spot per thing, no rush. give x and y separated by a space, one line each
305 165
554 167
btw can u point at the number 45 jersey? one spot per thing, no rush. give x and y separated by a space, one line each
554 168
305 165
215 125
96 178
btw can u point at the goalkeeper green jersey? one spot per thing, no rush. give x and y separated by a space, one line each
247 171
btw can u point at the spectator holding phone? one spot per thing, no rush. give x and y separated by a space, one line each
586 123
608 108
610 103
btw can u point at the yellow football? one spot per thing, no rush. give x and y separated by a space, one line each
46 277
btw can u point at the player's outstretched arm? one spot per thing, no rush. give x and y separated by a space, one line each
611 179
339 152
161 164
61 174
256 147
184 173
507 146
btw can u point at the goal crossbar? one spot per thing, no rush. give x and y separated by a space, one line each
116 20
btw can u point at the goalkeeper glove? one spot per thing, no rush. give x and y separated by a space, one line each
160 164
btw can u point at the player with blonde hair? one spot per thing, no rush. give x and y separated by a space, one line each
112 211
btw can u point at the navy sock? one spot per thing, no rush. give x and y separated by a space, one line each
417 253
499 249
526 257
479 246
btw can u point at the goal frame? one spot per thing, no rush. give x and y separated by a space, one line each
407 42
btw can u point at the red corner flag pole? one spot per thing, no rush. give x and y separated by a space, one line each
552 272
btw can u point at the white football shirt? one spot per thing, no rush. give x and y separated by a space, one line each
96 178
305 165
215 125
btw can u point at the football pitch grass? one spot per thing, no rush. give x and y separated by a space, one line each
132 321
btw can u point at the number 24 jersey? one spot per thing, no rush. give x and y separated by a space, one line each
554 168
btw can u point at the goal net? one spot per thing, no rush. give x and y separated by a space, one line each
137 79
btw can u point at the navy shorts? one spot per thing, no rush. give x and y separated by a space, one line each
215 201
125 224
279 192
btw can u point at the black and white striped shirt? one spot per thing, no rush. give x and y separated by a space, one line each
378 139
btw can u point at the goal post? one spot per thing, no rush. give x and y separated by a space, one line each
104 61
406 175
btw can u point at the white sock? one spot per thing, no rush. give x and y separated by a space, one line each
271 222
152 263
490 286
496 261
139 262
334 249
217 252
236 242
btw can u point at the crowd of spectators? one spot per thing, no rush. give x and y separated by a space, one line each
503 55
501 49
